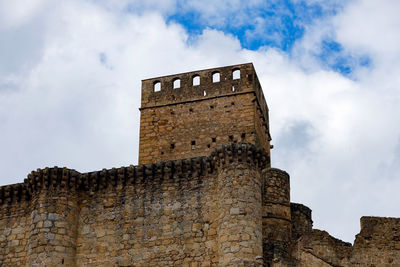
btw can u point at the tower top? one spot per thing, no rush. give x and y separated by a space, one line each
187 114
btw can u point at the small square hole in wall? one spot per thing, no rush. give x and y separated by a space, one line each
231 138
190 110
243 136
233 103
193 143
214 139
211 107
162 152
208 145
233 88
172 146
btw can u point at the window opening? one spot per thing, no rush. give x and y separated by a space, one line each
172 146
157 86
236 74
196 80
231 138
177 83
233 88
216 77
243 136
204 93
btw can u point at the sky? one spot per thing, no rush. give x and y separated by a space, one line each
71 71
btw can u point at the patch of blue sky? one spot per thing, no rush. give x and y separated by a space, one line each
333 56
275 24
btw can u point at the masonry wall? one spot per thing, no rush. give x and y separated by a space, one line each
377 244
166 221
14 227
203 211
192 120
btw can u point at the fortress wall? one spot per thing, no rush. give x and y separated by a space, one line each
377 244
187 132
160 221
14 226
161 214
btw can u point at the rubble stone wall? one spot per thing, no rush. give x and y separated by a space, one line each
377 244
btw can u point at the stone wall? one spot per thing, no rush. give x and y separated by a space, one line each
193 200
377 244
192 120
203 211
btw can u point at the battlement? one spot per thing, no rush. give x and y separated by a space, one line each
201 85
91 182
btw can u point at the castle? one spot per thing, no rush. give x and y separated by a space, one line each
203 194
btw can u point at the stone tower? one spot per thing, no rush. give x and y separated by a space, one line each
190 114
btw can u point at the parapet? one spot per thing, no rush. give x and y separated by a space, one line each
201 85
91 182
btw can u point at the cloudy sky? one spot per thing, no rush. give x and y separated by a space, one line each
70 75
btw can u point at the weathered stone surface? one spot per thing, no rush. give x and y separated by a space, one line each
214 202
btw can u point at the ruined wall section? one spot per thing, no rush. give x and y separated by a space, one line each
193 119
160 214
377 244
301 220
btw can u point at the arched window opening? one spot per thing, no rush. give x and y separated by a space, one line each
204 93
157 86
196 80
236 74
233 88
177 83
216 77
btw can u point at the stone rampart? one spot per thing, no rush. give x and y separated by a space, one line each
173 213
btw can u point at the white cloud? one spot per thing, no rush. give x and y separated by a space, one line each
69 96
